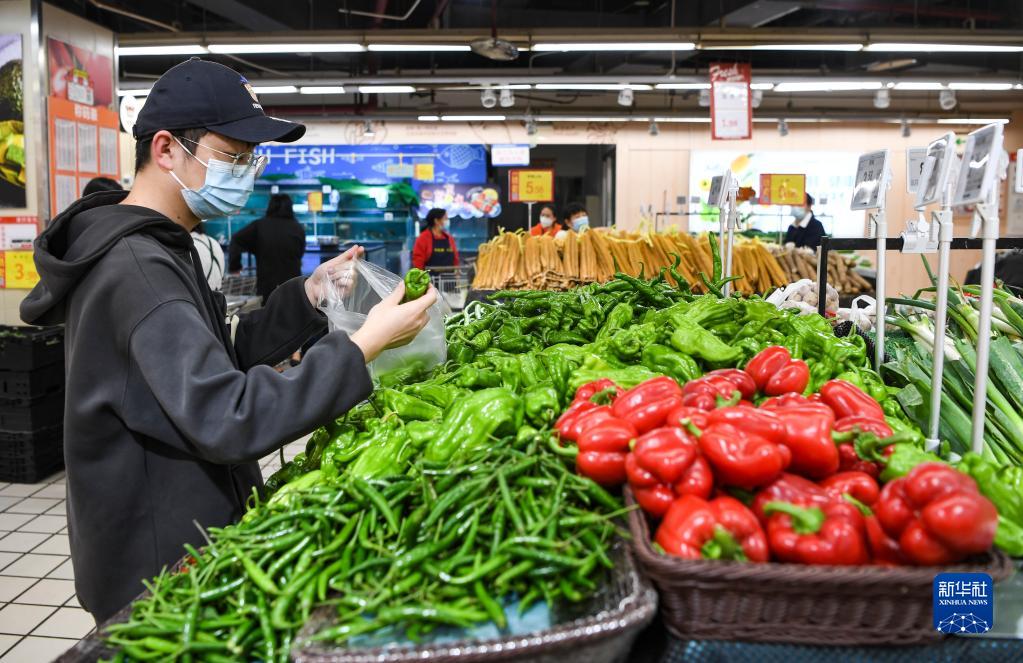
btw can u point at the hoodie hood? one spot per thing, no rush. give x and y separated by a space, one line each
78 238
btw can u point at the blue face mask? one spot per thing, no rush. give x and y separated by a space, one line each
221 194
581 223
445 225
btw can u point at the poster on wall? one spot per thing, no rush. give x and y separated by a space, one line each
79 75
376 164
830 177
464 201
83 145
12 124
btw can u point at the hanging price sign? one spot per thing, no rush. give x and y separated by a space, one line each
731 109
20 270
531 186
782 189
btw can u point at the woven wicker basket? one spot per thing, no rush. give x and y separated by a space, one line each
819 605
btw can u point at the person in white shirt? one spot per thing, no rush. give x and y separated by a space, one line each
211 257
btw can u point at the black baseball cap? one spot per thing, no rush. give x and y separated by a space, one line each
202 94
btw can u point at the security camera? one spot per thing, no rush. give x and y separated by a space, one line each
947 100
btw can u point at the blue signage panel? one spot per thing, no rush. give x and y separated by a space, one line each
377 164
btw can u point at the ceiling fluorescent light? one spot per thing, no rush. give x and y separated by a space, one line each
617 46
321 89
980 121
473 118
418 48
386 89
980 86
761 86
683 86
275 89
942 48
429 118
824 86
181 49
257 49
569 118
593 86
662 120
783 47
140 92
920 86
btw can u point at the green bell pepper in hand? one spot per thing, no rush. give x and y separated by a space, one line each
691 338
674 364
495 411
417 282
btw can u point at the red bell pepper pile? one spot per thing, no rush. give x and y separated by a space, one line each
688 451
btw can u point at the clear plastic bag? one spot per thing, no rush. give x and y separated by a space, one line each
350 295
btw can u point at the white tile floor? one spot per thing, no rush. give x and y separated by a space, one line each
40 618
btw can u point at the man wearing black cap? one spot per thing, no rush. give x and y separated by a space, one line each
168 408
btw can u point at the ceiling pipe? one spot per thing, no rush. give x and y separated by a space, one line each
382 16
133 16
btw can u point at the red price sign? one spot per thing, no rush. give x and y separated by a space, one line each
531 186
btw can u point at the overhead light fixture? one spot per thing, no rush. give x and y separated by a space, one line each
429 118
901 47
472 118
757 98
625 97
882 99
782 47
367 129
697 120
488 99
531 127
507 98
617 46
704 99
139 92
683 86
182 49
904 129
974 120
947 100
783 128
277 47
891 65
761 86
574 118
652 129
993 87
593 86
386 89
321 89
274 89
825 86
419 48
921 86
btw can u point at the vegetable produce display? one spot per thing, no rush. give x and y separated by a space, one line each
802 264
454 497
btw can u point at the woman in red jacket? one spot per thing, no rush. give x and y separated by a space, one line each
547 225
435 247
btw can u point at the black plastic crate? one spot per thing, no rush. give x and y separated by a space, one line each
26 385
28 456
27 348
30 415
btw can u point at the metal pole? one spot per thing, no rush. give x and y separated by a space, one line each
529 219
732 194
944 220
882 236
989 225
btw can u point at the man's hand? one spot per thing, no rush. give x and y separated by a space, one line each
337 270
391 324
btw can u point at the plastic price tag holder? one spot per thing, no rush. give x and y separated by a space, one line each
870 179
915 157
718 195
937 169
1019 171
980 164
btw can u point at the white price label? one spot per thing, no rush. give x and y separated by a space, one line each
915 157
1019 171
937 168
871 173
719 185
980 163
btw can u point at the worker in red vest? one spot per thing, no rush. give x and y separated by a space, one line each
547 225
435 247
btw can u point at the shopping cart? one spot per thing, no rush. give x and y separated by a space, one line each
238 285
453 283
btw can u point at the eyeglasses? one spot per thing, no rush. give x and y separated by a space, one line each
240 163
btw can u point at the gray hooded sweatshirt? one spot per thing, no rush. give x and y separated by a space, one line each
165 415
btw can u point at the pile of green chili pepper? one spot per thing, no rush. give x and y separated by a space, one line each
444 544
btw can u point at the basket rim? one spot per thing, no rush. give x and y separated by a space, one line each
997 565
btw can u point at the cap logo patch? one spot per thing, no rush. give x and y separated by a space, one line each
252 93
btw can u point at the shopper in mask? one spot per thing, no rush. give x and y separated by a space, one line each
168 408
576 218
547 225
435 247
806 230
